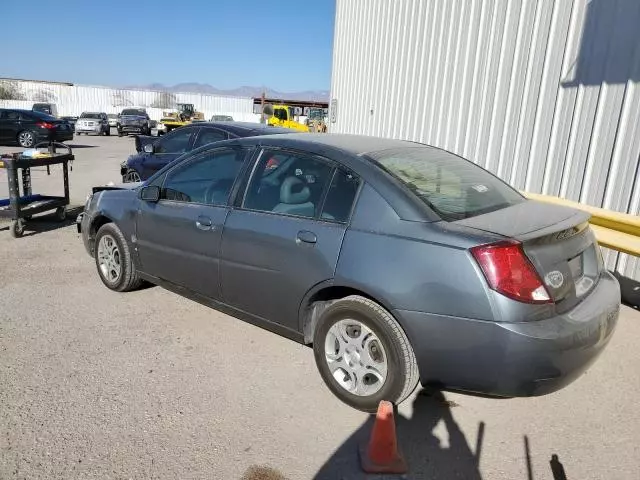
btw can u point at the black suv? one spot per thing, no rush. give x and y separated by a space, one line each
134 120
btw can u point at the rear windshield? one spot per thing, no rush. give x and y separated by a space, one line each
451 186
40 116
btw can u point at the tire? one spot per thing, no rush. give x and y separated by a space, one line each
61 214
401 366
127 279
26 139
17 228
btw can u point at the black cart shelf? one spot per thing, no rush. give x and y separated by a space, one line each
21 206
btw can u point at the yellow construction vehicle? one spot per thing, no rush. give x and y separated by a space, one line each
283 116
316 120
183 115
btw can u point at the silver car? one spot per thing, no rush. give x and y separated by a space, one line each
397 262
93 122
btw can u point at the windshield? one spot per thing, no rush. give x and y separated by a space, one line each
133 111
451 186
90 115
112 115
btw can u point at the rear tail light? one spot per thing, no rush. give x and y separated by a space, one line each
46 125
509 272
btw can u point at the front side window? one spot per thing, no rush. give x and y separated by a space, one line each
454 188
208 179
289 183
176 142
209 135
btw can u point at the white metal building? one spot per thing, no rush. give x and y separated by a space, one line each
544 93
72 99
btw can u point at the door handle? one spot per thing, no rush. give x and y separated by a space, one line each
204 223
306 237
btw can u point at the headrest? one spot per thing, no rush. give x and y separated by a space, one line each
294 191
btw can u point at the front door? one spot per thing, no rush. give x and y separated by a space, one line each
276 246
178 238
9 125
166 150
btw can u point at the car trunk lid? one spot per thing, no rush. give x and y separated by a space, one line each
557 240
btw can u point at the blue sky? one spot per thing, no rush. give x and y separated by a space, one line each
281 44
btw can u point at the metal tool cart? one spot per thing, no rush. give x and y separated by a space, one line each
20 207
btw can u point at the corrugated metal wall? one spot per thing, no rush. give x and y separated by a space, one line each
75 99
544 93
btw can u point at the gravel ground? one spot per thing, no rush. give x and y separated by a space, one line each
143 385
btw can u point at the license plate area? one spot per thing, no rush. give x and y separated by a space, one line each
576 266
584 271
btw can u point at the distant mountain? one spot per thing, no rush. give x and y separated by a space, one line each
245 91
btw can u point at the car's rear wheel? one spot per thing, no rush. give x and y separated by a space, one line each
26 139
114 261
363 354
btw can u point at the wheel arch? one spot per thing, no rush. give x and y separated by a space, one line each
97 222
319 297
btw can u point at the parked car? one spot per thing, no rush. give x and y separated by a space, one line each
154 153
134 120
93 122
72 121
113 120
48 108
222 118
29 128
396 261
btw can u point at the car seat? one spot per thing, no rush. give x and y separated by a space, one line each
294 198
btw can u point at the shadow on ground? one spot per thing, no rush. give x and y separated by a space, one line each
74 145
425 454
45 222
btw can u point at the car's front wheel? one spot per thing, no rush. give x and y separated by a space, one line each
363 354
114 261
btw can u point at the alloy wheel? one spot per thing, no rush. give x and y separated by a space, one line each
356 357
109 259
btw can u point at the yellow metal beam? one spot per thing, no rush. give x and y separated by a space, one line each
620 222
615 230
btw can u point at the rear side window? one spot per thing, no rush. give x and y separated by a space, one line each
454 188
288 183
342 192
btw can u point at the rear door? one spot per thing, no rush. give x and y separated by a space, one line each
167 149
276 246
179 236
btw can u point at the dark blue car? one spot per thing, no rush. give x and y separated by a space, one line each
156 152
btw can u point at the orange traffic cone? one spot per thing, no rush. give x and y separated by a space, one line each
381 455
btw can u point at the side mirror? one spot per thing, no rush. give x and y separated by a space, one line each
148 148
150 193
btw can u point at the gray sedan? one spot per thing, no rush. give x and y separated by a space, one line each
397 262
